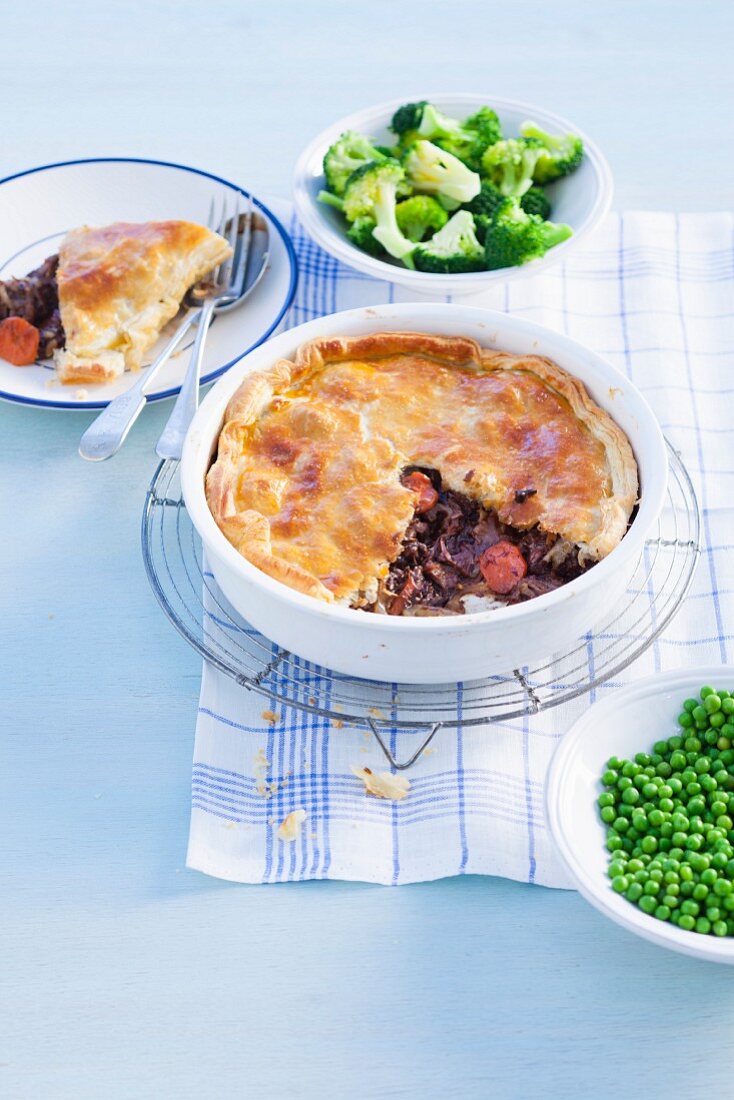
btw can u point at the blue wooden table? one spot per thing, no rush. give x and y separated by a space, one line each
124 975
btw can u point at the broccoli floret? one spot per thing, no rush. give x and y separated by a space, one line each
372 192
453 249
345 156
489 199
471 140
514 237
408 117
360 232
535 201
486 123
509 165
436 172
558 155
465 140
420 216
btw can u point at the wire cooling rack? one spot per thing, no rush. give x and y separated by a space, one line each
193 603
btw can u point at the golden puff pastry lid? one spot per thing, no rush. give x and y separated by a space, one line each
120 284
306 481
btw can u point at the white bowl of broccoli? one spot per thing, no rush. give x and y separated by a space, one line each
452 192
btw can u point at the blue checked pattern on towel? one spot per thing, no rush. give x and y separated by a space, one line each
652 292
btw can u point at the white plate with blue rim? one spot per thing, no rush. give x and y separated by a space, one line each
39 206
622 724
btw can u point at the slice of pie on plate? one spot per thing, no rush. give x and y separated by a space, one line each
119 284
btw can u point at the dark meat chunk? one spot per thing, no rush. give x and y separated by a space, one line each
530 587
52 335
35 297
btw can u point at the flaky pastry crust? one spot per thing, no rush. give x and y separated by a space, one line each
306 482
119 285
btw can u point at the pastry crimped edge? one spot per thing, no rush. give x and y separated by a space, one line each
249 531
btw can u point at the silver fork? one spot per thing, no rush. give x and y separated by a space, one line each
228 286
106 434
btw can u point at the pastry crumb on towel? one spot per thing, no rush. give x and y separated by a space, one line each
290 827
382 784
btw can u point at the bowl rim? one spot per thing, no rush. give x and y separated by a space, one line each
200 440
596 892
339 246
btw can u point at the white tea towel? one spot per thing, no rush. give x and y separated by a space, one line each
652 292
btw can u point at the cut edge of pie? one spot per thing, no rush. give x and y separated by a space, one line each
249 530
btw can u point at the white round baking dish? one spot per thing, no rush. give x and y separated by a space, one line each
441 649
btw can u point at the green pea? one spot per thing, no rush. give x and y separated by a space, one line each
709 876
630 796
712 703
687 923
634 891
620 883
647 904
719 928
703 926
662 912
608 814
706 690
700 891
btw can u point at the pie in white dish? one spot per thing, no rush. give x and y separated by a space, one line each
418 474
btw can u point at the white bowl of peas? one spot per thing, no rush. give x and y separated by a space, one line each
640 804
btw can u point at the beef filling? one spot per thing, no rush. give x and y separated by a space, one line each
444 557
35 298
